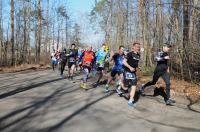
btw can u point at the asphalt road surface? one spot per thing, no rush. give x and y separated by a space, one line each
43 101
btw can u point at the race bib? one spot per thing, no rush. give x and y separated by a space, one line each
130 75
71 60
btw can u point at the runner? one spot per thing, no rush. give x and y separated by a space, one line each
107 60
57 55
117 69
80 52
101 55
72 61
77 59
86 60
53 59
63 61
130 67
161 70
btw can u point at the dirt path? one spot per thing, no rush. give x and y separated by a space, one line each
42 101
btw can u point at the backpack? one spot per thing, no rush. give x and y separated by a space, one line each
88 58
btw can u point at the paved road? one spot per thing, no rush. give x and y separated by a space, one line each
42 101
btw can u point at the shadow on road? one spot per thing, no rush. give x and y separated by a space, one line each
68 118
192 102
32 109
170 125
161 92
24 80
158 91
22 89
24 116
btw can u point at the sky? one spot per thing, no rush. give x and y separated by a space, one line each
80 10
81 5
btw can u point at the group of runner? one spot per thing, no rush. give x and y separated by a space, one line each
60 59
123 71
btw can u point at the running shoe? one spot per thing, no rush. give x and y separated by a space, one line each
81 85
119 91
170 102
84 86
95 85
106 90
131 104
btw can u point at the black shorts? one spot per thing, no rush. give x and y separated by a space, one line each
114 72
130 82
100 68
63 62
70 64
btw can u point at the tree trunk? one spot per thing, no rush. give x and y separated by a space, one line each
186 23
12 33
111 25
127 23
66 24
58 37
6 47
17 34
39 32
47 44
140 30
28 58
122 23
24 49
1 35
53 36
145 33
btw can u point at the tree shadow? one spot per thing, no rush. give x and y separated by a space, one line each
22 89
103 82
11 75
192 102
20 81
158 91
68 118
161 92
170 125
32 108
126 96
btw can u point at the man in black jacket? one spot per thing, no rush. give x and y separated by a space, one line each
161 70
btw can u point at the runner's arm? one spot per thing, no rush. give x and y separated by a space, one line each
127 65
112 56
81 57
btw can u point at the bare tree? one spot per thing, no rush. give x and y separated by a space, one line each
1 35
39 28
24 47
29 32
186 23
12 32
